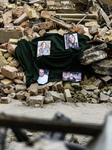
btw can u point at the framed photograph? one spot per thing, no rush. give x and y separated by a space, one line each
43 48
72 76
71 40
43 76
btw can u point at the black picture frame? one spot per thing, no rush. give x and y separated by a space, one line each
71 40
43 76
43 48
71 76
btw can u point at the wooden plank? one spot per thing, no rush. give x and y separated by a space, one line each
108 2
77 20
72 15
47 15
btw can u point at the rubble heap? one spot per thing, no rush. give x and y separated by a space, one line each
32 20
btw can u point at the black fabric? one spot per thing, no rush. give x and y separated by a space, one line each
58 61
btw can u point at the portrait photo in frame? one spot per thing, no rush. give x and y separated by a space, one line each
71 40
71 76
43 76
43 48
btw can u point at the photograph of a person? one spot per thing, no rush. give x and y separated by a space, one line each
43 76
72 76
71 40
43 48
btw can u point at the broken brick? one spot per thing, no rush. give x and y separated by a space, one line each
33 100
7 18
93 30
68 95
33 89
9 72
3 61
2 76
4 45
11 48
42 32
22 18
79 29
25 24
17 12
20 95
20 75
28 31
6 91
5 100
14 63
44 25
20 87
6 82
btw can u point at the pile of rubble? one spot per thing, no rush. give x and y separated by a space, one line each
31 20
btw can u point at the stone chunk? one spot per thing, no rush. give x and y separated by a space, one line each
20 87
6 82
68 95
5 100
3 46
9 72
83 92
33 100
104 67
94 54
98 83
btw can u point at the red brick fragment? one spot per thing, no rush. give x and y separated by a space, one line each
9 72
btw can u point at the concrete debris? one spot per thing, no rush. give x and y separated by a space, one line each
103 67
31 20
68 95
103 97
94 54
34 100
